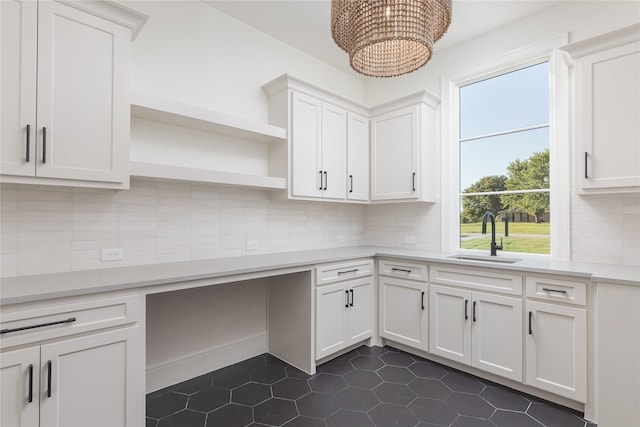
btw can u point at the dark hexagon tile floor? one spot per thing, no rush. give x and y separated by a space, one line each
367 387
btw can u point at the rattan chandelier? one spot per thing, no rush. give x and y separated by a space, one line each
387 38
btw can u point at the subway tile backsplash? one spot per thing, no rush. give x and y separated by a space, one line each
50 229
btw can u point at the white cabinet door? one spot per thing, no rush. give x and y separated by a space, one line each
332 303
360 321
607 111
403 311
556 349
83 95
18 52
497 335
20 384
450 323
71 69
334 151
306 169
357 157
394 155
87 381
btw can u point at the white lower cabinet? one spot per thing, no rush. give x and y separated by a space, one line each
478 329
344 314
78 363
556 349
403 311
76 382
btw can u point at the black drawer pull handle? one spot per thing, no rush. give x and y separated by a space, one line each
320 181
40 325
346 291
530 316
27 154
325 180
355 270
414 181
351 292
401 270
560 291
474 311
466 307
350 183
423 300
44 145
30 384
49 369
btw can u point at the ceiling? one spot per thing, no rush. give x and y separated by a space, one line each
304 24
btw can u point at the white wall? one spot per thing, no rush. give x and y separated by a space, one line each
195 54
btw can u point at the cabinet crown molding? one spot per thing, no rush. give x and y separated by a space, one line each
422 97
113 11
289 82
605 41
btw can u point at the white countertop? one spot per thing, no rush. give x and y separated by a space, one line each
21 289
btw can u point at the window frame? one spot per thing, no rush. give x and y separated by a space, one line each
559 141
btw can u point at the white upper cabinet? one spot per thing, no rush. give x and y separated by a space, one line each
357 157
327 153
65 86
607 107
404 149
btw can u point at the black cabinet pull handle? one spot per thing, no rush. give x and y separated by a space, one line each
586 164
355 270
320 188
466 309
423 300
401 270
351 292
49 370
28 154
44 145
350 183
325 180
474 310
40 325
30 399
346 291
530 316
560 291
414 181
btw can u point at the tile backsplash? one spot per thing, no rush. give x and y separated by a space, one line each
50 229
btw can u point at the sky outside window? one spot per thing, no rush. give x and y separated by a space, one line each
509 102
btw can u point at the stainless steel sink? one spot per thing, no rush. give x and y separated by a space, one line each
499 260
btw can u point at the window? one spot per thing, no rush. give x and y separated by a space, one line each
504 159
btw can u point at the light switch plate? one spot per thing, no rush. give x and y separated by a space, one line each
252 245
410 239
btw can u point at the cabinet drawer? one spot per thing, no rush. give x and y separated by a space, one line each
567 291
402 269
44 323
336 272
486 280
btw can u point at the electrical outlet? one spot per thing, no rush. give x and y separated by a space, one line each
252 245
340 239
114 254
410 239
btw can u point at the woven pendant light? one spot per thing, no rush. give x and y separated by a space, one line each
386 38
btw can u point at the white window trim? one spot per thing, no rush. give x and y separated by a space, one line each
559 140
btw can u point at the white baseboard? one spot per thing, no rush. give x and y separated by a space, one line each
195 364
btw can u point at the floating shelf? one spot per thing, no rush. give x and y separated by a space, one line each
153 170
157 109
